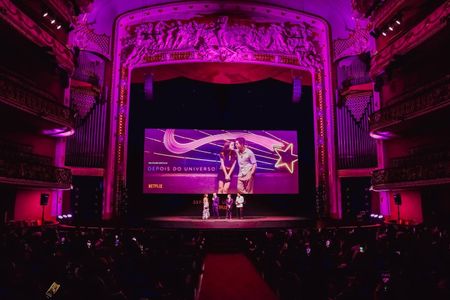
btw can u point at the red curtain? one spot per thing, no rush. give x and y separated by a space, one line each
222 73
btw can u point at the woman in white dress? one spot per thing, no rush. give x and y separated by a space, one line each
205 215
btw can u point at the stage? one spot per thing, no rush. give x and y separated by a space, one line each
251 222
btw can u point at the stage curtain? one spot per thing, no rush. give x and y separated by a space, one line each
222 73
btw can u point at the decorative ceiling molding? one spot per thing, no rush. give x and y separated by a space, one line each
356 43
63 9
387 11
32 31
85 38
428 27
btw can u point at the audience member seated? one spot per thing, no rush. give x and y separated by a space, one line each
99 264
387 262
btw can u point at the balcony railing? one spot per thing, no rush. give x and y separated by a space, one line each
28 169
421 101
20 93
413 176
421 159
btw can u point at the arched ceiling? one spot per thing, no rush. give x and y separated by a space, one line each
337 12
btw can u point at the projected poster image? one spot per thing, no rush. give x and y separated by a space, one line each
193 161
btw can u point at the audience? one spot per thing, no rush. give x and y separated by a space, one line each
99 264
386 262
379 263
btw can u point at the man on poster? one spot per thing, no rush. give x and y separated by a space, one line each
247 167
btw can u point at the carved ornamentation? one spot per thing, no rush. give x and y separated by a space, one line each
222 39
85 38
21 94
356 43
432 96
153 36
436 173
18 166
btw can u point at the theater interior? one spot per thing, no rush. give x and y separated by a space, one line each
216 149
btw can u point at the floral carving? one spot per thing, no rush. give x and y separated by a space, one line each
222 39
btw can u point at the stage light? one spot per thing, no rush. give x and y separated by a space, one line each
60 217
58 27
53 21
398 22
69 215
64 216
391 29
384 33
380 217
45 14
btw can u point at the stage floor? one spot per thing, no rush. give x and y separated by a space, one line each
246 223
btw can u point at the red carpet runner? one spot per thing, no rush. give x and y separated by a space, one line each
232 277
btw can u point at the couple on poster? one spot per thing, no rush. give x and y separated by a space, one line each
232 153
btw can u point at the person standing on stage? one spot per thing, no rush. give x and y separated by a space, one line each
229 204
215 205
205 215
247 167
240 206
227 164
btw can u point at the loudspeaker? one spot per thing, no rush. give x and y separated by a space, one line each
398 199
148 87
296 89
44 199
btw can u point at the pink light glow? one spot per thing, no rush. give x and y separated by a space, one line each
58 132
383 135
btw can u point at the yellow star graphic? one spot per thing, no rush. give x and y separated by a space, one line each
286 159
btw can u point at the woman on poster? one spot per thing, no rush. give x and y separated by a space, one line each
228 159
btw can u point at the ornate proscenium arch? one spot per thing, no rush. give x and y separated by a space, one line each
208 31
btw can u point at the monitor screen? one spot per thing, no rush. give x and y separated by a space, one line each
194 161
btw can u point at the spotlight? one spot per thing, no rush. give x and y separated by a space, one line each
53 21
60 217
45 14
69 216
380 217
64 216
384 33
391 29
398 22
58 27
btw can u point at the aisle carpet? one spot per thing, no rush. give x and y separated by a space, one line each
232 277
